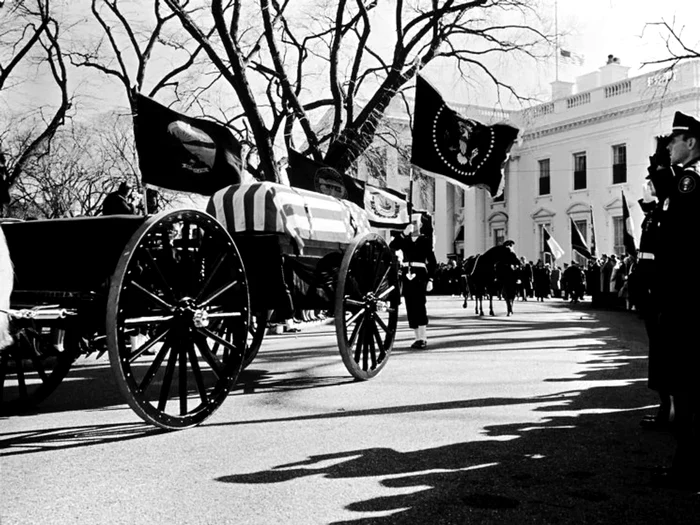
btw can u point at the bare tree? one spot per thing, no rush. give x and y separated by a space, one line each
269 44
676 43
29 40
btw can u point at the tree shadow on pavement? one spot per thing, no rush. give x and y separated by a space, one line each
589 462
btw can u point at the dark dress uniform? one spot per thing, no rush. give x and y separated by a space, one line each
418 267
678 284
644 296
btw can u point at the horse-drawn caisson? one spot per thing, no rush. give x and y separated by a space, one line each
180 300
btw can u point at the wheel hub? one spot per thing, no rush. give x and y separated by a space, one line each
188 312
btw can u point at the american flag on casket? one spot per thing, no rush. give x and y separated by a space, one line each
275 208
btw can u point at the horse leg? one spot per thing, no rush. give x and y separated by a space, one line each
491 305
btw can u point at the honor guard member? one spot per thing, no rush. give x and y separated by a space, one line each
417 269
642 292
678 285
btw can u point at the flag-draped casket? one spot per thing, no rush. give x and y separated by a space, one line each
267 207
290 239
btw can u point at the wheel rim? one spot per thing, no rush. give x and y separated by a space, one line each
34 365
367 302
256 334
177 319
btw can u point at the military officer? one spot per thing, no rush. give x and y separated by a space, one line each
418 268
679 227
642 292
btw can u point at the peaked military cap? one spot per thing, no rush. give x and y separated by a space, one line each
683 123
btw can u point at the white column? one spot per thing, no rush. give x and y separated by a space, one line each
443 224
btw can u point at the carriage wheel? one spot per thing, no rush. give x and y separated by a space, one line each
177 318
257 325
367 305
256 333
34 365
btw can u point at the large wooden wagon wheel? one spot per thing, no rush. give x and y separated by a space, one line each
367 305
257 326
177 318
35 364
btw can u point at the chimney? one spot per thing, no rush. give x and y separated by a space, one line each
612 71
561 89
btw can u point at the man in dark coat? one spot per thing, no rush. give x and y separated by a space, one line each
679 226
117 202
418 269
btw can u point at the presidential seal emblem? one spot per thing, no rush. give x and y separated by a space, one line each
686 184
462 144
330 182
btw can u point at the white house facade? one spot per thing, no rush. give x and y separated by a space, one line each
576 156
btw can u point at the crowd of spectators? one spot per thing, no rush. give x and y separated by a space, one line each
603 281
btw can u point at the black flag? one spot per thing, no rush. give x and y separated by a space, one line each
577 242
463 150
308 174
182 153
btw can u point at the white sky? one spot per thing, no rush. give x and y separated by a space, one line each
592 28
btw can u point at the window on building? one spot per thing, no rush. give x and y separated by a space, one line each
580 182
502 196
619 163
544 177
499 235
619 243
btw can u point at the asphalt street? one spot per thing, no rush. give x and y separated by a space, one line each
532 418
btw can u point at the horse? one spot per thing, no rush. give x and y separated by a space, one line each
483 277
6 279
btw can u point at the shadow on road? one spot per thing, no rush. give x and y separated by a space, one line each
590 465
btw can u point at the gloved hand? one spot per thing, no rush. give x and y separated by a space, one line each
429 287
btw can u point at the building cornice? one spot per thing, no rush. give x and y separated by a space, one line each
611 114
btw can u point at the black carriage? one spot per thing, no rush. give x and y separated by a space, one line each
180 301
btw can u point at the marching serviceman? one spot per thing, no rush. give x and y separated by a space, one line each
679 230
418 266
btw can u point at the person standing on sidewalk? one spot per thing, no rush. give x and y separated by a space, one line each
679 231
417 268
643 294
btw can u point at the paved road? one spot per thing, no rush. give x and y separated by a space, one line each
524 419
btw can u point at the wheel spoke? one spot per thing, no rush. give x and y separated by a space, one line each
213 361
380 345
355 316
159 273
377 284
226 344
197 373
167 379
355 332
155 365
219 292
380 321
153 297
148 344
213 272
182 376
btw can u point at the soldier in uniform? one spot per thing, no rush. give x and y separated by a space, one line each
679 227
118 202
417 268
642 293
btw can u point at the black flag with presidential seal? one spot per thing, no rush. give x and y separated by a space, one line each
308 174
182 153
386 208
463 150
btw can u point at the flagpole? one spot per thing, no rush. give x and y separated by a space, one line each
556 41
410 192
